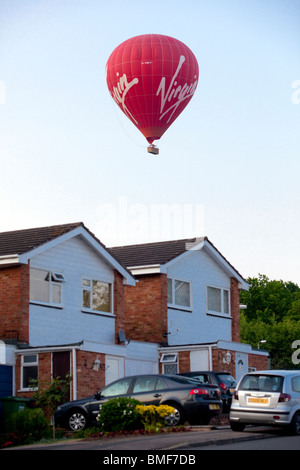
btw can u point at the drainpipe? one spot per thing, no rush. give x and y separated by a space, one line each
210 358
74 378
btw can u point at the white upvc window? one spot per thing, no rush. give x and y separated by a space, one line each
29 370
169 363
97 296
179 294
217 300
46 287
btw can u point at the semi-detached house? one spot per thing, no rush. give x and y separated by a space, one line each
62 310
187 299
70 304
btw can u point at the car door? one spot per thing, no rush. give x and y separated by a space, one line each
119 388
149 390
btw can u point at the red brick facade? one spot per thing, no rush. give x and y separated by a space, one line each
14 303
118 304
235 310
146 308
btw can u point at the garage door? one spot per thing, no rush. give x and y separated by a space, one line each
6 381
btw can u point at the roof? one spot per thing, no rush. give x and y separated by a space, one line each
19 245
162 253
152 253
23 241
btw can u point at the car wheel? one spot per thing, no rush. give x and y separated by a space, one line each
238 427
295 424
175 418
77 420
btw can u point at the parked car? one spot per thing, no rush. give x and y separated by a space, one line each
270 397
223 380
193 402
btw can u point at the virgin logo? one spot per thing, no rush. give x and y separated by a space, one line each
120 91
174 92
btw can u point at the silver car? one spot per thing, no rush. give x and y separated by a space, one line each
269 397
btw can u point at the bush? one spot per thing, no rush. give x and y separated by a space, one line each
153 416
29 426
119 414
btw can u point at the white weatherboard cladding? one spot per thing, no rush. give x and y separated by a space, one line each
75 260
192 327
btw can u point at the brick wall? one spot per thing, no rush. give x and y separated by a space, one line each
14 303
259 362
235 310
89 381
119 305
146 309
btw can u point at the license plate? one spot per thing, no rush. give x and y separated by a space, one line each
259 401
214 407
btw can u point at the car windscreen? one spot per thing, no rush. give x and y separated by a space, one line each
262 383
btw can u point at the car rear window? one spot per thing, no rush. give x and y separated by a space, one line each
262 383
227 379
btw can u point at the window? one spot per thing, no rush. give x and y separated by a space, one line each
116 389
29 370
217 300
169 362
46 286
296 383
179 293
96 295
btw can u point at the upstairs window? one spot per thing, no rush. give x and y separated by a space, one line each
46 286
179 294
96 295
217 300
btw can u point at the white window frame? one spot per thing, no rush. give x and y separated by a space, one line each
90 289
28 364
173 303
222 312
169 359
56 278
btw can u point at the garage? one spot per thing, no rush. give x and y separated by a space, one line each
6 381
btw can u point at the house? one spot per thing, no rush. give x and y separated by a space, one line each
187 299
62 310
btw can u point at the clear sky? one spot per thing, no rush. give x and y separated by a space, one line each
228 167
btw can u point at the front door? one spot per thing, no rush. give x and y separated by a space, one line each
61 366
114 368
241 365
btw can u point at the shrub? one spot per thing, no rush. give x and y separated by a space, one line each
153 416
29 425
119 414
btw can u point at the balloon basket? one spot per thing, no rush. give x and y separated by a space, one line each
153 149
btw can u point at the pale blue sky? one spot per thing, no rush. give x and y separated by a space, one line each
231 160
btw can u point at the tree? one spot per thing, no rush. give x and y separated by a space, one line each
268 299
272 314
48 395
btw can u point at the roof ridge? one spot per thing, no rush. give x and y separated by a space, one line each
180 240
71 224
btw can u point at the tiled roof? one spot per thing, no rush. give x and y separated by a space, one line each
152 253
159 253
22 241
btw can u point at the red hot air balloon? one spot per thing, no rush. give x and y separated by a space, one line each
152 78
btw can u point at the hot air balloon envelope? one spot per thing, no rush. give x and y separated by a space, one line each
152 78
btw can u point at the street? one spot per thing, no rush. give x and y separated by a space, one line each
273 443
222 438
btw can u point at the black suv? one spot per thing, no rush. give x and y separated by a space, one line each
224 380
